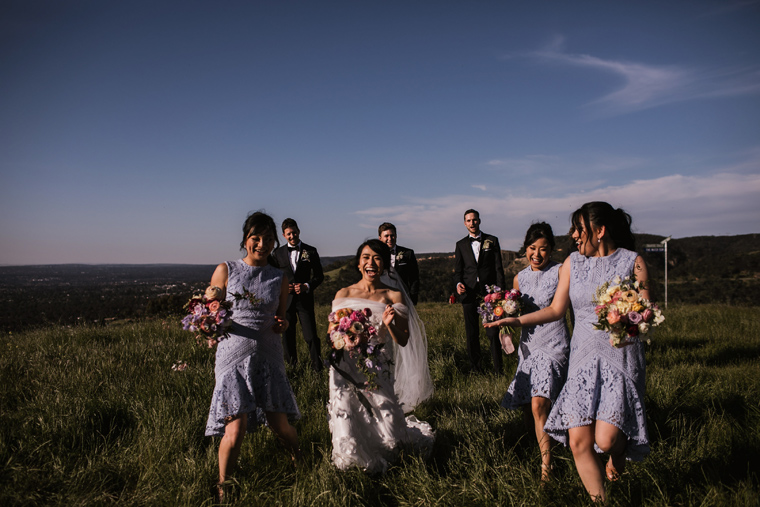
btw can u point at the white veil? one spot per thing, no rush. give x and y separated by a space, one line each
413 384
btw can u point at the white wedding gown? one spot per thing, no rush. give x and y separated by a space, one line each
369 428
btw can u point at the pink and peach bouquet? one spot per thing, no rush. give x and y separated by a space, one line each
209 316
498 304
623 313
355 332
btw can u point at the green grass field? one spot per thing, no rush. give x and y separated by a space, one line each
96 415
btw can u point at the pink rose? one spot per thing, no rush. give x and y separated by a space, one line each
613 317
648 315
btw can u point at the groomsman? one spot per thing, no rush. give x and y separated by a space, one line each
403 261
477 263
303 269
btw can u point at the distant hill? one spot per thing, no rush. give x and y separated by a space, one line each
702 269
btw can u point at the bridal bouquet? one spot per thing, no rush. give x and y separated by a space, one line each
498 304
623 313
208 315
351 332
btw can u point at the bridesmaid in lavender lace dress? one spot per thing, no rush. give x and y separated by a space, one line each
251 385
601 406
544 348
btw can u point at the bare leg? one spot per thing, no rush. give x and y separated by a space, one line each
287 434
611 440
586 461
229 447
540 408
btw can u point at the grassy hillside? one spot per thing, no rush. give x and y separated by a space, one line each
96 415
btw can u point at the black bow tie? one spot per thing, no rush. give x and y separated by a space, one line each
292 248
475 239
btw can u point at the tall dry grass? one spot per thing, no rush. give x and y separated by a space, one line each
96 415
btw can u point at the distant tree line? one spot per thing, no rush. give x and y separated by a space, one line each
700 270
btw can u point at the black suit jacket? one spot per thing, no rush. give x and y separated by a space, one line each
475 275
308 270
408 271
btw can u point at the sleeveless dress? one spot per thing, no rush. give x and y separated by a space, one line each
543 350
604 383
360 438
250 370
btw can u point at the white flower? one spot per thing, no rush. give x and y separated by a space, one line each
643 328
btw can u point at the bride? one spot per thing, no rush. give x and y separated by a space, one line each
367 423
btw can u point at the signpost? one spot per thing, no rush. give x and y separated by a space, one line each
662 246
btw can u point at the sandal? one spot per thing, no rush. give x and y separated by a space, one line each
546 473
612 472
219 492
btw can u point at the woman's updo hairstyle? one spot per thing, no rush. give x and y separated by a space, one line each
616 222
259 223
378 247
537 231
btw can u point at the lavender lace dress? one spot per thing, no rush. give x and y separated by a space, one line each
543 350
604 383
250 370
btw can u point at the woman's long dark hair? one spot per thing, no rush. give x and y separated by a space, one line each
259 223
616 222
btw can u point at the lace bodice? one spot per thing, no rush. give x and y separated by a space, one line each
264 283
538 289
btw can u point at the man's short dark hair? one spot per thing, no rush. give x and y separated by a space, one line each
477 215
385 226
289 223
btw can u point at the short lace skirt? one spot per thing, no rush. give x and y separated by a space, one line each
537 375
596 391
253 386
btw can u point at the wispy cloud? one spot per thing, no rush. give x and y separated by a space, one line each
718 204
480 187
646 85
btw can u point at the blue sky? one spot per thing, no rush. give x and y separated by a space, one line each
145 131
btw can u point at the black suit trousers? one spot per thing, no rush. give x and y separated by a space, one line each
472 325
305 314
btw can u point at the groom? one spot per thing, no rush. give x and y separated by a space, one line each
303 269
477 263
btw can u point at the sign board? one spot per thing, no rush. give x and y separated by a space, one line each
656 247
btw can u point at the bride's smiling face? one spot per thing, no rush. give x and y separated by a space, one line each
370 264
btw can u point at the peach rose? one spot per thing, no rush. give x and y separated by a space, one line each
214 293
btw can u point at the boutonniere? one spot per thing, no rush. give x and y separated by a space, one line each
399 256
305 255
487 244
